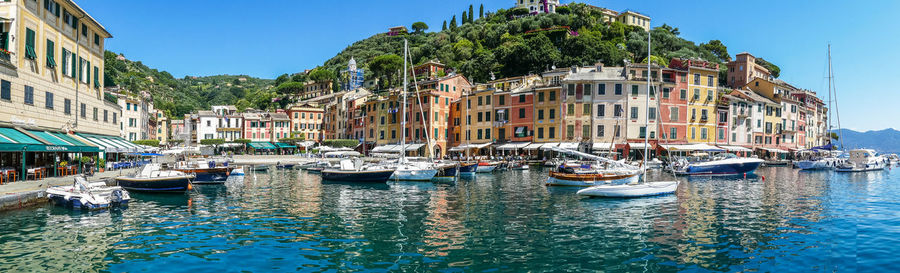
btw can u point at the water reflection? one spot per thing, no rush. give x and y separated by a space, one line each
288 220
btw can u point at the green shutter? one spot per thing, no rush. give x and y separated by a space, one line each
96 77
74 64
65 60
29 44
51 63
88 73
80 71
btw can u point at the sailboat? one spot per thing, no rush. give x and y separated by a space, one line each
639 189
405 169
829 161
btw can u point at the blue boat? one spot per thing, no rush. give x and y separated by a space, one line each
152 179
468 168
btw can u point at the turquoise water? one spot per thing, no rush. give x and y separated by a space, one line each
790 221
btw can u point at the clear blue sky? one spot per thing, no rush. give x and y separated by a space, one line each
269 38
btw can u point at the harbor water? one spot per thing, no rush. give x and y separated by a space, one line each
288 220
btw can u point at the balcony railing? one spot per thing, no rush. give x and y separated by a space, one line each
6 58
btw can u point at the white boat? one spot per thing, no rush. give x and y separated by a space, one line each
519 166
635 189
85 195
862 160
591 176
239 171
412 170
818 163
726 164
486 167
631 190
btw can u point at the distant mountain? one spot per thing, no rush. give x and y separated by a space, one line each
884 141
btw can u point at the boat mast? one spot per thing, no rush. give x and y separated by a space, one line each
647 115
403 121
832 95
421 111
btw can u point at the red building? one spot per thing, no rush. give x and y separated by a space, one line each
521 116
673 108
428 114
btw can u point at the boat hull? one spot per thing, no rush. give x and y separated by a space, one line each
721 169
485 168
447 172
379 176
813 165
588 180
208 176
468 168
631 190
166 184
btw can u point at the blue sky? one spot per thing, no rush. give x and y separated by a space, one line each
269 38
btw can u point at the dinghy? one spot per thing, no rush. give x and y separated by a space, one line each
85 195
631 190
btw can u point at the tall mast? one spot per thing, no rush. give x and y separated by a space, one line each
403 113
647 115
829 94
833 92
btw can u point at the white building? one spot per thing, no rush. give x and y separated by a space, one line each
134 123
538 6
207 122
228 126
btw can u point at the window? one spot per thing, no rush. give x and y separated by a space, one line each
84 30
697 79
96 114
709 80
96 39
478 134
487 116
617 110
696 94
703 133
540 96
703 113
585 131
570 131
105 115
51 63
5 90
721 134
586 109
673 133
601 89
570 89
552 113
665 93
693 114
52 7
552 132
570 109
600 130
634 90
67 107
618 131
587 89
652 113
709 95
480 100
683 94
114 118
652 91
634 112
487 100
540 132
601 110
480 117
552 96
643 132
48 100
693 133
487 133
673 113
29 44
29 95
618 89
502 100
521 112
540 114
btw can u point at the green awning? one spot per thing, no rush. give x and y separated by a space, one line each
284 145
18 137
59 144
14 140
261 145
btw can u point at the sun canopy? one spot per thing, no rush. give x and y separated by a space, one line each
464 147
549 146
602 146
735 148
112 144
513 146
261 145
693 147
284 145
569 145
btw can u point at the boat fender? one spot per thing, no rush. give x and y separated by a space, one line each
763 177
190 186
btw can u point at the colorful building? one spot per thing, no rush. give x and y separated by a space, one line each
673 110
306 121
548 106
744 69
702 88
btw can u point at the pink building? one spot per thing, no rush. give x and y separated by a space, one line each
257 126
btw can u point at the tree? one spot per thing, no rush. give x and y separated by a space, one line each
471 14
242 141
282 79
465 19
299 77
341 143
444 26
563 10
289 88
773 69
419 27
717 48
670 29
321 75
385 67
453 23
481 11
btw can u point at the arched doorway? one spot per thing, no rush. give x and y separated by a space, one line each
437 151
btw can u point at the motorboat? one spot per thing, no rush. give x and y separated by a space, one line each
576 174
318 167
87 195
206 171
862 160
553 162
152 178
725 164
631 190
518 165
355 171
237 172
259 168
825 163
285 166
408 170
487 166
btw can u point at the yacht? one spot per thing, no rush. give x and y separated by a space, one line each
86 195
354 171
862 160
152 178
725 164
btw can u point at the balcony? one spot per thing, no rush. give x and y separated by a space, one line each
6 59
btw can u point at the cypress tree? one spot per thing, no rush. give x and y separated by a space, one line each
481 11
453 23
464 19
471 14
444 27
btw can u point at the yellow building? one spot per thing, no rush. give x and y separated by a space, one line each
703 79
632 18
548 116
162 127
50 68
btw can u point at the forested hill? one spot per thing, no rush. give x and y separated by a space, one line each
180 96
505 43
511 43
